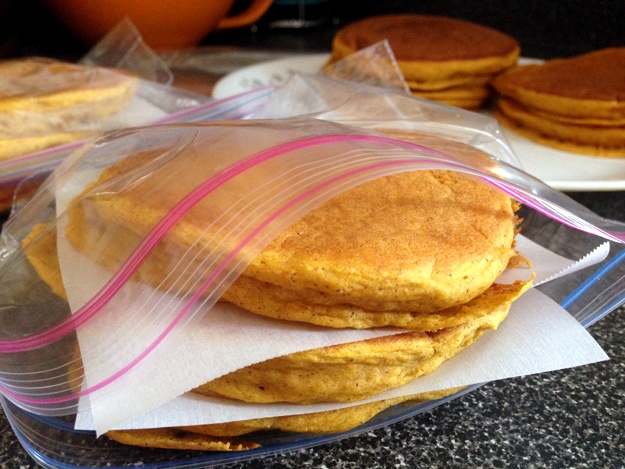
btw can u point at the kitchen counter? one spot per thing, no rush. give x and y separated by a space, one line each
569 418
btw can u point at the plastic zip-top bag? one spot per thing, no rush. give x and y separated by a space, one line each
50 107
211 197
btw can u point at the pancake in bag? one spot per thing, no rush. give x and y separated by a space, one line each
431 244
45 102
427 241
347 372
358 370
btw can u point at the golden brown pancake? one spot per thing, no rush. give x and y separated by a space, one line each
465 97
179 438
40 249
455 82
36 85
560 144
425 241
12 147
456 92
281 303
587 86
436 54
562 119
408 241
333 421
275 301
609 137
420 241
575 104
432 48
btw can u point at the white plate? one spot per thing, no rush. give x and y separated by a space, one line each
560 169
274 72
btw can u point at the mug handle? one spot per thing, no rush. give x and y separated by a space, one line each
253 13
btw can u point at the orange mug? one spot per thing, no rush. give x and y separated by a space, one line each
163 24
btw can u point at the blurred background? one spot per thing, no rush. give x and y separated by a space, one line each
545 28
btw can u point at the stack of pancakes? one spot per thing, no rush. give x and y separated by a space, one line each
443 59
575 104
45 102
420 250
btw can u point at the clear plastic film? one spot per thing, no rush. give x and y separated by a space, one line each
123 48
330 158
47 97
375 65
48 103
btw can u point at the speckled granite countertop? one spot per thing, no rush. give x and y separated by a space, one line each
565 419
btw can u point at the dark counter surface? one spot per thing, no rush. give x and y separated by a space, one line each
569 418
